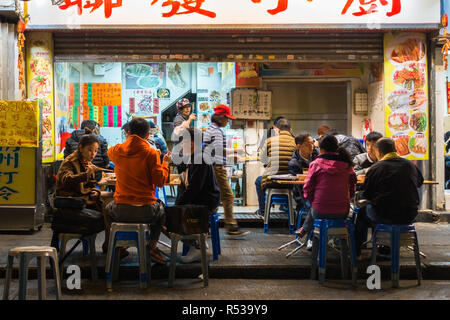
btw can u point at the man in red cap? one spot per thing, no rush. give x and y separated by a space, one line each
215 152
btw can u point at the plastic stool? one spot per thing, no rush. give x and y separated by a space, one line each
26 255
342 229
173 261
126 235
215 237
88 242
270 193
400 236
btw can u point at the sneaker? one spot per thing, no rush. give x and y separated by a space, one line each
193 255
236 233
162 253
259 214
157 258
309 245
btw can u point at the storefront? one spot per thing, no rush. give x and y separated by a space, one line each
314 63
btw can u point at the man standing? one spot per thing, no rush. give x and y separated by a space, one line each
215 153
392 187
364 161
138 171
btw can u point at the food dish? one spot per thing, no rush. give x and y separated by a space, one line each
398 100
418 145
401 144
418 121
214 96
398 122
163 93
410 77
40 65
417 99
138 70
412 49
205 118
151 81
47 125
204 106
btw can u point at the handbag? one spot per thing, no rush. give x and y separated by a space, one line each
187 219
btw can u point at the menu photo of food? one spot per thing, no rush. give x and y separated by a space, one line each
401 144
398 122
46 125
418 145
410 77
163 93
418 121
399 100
418 100
407 49
205 118
214 96
40 86
204 106
40 66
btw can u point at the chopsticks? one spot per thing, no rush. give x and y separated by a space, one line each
108 170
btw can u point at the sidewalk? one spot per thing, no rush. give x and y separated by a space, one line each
256 257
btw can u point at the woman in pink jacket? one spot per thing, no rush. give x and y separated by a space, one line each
330 184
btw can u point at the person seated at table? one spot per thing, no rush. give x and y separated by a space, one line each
198 186
392 188
320 132
276 154
126 130
76 175
138 171
364 161
302 157
330 184
156 141
353 145
101 159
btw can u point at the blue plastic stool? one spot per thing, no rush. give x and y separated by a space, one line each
400 235
215 237
283 197
342 229
126 235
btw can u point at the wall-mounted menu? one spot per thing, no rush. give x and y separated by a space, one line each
406 94
251 104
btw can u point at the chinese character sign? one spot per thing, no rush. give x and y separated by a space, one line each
406 94
226 13
19 124
40 86
17 175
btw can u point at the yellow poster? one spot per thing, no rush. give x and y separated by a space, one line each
19 124
17 175
406 93
40 86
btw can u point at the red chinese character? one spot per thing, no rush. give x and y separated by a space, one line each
191 6
396 7
109 5
282 6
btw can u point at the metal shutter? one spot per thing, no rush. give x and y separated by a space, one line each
213 46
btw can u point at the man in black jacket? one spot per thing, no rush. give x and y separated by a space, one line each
392 187
301 158
198 185
88 127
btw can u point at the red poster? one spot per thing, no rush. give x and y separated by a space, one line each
247 75
448 97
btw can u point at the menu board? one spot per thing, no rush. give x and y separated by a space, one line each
19 124
251 104
102 103
40 86
406 94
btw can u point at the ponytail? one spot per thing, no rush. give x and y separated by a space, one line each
345 156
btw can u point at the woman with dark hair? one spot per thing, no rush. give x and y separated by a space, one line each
76 176
330 184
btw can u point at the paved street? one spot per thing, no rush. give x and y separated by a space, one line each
245 289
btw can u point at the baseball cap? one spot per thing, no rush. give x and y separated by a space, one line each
224 110
183 103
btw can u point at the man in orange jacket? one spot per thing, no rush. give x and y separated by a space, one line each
138 171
